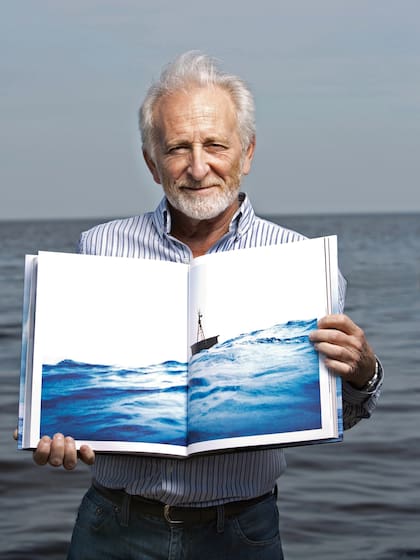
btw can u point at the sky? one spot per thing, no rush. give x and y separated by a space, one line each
336 85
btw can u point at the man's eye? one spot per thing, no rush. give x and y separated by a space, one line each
217 147
177 149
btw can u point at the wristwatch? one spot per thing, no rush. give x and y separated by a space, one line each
373 382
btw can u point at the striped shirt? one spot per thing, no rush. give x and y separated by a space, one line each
204 479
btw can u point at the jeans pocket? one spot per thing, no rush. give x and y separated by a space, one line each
95 512
259 524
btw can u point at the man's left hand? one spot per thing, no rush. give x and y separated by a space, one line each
345 349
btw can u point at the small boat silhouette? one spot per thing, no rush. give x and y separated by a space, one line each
202 343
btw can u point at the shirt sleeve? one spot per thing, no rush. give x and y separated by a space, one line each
359 404
81 244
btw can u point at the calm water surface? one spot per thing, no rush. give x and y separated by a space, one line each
357 500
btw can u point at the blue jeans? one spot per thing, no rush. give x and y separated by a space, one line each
99 534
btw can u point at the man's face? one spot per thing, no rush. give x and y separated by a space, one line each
199 159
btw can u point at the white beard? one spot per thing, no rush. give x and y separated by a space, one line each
205 208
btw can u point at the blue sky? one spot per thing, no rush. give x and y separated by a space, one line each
337 88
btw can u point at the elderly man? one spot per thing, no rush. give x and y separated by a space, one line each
198 132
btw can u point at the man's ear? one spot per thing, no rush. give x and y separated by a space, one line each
152 167
249 154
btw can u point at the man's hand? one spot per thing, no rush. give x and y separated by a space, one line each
345 349
61 451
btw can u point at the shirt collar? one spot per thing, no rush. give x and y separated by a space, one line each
240 223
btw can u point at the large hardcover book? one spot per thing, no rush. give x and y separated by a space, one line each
145 356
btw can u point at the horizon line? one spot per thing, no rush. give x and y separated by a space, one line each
104 218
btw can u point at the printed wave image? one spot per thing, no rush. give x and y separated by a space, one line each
258 383
106 403
262 382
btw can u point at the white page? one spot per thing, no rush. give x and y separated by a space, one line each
293 271
124 313
239 292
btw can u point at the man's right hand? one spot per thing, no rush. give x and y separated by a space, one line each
61 451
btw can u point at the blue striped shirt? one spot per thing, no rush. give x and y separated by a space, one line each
205 479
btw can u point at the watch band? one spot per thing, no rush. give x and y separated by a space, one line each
371 384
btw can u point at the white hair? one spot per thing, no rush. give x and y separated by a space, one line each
195 68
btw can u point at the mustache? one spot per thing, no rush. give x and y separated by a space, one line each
197 184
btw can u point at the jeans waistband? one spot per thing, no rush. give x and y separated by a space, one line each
176 514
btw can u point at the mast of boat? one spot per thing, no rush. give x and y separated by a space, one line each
202 343
200 330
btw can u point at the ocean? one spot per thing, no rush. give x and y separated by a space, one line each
358 499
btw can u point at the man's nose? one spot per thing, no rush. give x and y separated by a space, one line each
198 167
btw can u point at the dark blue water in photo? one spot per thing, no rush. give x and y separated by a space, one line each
99 402
355 500
236 389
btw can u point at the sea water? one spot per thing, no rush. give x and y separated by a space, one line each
355 500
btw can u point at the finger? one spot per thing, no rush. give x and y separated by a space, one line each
339 322
56 458
15 434
42 451
335 351
87 455
333 341
70 454
342 360
352 363
343 369
331 336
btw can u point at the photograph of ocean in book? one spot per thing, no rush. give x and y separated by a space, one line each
254 384
107 403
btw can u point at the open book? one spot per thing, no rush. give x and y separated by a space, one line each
135 355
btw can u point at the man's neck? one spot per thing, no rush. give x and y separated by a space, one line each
201 235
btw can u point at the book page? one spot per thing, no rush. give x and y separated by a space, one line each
262 376
110 351
28 323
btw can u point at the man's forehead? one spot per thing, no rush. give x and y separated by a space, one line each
197 105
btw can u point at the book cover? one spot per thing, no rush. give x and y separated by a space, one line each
134 355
